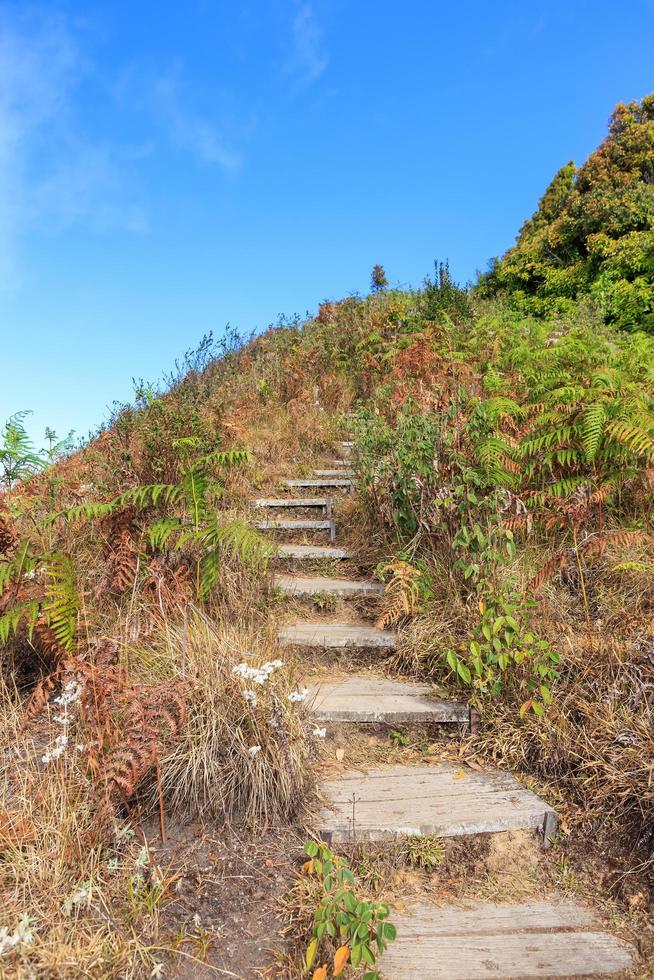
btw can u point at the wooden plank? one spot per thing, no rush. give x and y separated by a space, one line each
378 699
322 482
281 524
540 939
324 585
336 635
441 800
279 502
344 474
309 551
474 917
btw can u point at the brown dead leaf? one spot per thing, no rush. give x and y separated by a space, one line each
341 956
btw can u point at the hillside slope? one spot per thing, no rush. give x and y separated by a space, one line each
504 469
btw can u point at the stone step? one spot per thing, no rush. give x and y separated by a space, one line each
336 635
325 503
344 474
310 551
366 698
347 447
323 481
325 585
483 940
281 524
442 799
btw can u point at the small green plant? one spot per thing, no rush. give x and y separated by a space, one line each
357 925
425 853
19 458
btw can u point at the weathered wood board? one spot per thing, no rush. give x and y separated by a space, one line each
323 481
441 799
341 635
366 698
310 551
324 585
483 940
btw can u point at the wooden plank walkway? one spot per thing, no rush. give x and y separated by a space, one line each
477 941
441 799
326 585
366 698
498 942
340 635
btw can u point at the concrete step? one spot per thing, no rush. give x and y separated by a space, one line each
325 503
280 524
309 551
336 635
366 698
346 447
442 799
343 474
325 585
484 940
323 481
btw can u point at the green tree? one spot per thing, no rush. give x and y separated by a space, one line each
378 278
593 232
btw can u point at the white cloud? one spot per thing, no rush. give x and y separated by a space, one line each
52 174
309 57
188 129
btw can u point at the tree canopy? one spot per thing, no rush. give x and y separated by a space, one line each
593 231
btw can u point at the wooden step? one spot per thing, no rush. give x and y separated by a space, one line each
325 503
442 799
366 698
281 524
343 474
323 481
310 551
325 585
336 635
484 940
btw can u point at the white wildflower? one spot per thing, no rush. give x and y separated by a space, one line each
251 696
320 732
297 696
156 972
21 936
197 920
254 749
70 694
78 896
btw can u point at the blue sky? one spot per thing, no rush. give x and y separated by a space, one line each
167 167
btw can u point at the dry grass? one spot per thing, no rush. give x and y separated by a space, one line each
235 758
93 908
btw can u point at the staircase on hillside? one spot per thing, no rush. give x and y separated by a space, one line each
550 938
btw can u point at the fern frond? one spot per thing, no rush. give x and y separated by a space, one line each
11 620
61 606
593 428
401 594
633 436
161 531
